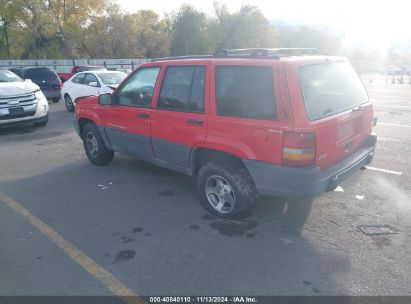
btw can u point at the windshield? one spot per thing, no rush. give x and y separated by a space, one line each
112 78
8 76
330 88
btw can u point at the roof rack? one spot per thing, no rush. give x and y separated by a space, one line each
183 57
249 53
266 52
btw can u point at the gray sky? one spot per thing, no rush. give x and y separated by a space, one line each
376 23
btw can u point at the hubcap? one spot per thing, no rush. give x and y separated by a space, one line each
92 144
69 103
220 194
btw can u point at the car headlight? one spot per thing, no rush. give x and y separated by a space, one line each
39 95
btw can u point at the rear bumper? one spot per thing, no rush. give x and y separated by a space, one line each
307 182
50 94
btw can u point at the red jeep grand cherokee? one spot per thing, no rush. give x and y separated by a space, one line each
245 122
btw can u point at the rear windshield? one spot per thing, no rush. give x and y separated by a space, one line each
330 88
40 74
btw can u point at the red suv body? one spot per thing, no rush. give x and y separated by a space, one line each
291 126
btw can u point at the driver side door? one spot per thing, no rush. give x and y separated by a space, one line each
128 118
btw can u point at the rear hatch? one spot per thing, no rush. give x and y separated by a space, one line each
46 79
338 108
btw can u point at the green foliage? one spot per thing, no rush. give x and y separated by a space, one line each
243 29
100 29
189 32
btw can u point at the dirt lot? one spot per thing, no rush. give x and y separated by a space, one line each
70 228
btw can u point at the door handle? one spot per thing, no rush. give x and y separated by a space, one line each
143 115
195 122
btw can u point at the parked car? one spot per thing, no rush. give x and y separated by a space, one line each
393 70
21 102
245 123
46 79
89 84
77 69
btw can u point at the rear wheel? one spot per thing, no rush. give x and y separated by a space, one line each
56 100
94 146
226 189
68 103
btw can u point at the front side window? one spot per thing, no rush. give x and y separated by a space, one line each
183 89
245 91
79 79
139 88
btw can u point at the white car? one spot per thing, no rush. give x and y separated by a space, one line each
90 83
21 102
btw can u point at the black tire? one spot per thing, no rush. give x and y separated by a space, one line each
68 102
56 100
94 146
241 188
42 123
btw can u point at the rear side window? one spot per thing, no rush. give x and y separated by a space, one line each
245 91
90 78
183 89
79 79
330 88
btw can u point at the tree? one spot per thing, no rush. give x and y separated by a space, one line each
9 11
189 32
246 28
120 35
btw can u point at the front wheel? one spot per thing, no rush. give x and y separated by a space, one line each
94 146
68 102
226 189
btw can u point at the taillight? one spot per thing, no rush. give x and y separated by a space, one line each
299 149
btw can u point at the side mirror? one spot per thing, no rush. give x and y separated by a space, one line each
93 84
105 99
28 80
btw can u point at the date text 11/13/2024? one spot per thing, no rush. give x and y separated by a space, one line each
201 299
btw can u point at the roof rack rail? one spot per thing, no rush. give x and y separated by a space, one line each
267 52
248 53
182 57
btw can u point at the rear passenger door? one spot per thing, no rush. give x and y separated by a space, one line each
179 121
75 87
